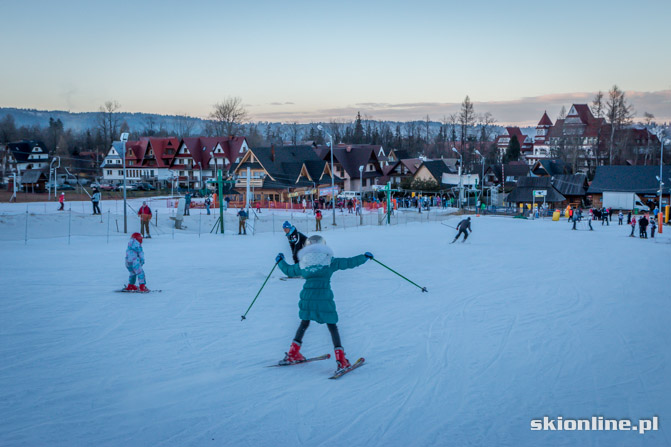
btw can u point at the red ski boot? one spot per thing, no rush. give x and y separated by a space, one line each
294 355
340 359
143 288
130 288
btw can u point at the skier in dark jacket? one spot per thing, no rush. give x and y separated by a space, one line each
643 227
653 227
296 239
464 227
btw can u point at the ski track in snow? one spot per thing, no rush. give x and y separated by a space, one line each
524 320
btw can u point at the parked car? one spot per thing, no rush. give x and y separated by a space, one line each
128 187
106 187
66 187
144 186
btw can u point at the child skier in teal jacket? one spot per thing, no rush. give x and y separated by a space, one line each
317 265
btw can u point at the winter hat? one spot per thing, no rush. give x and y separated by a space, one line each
315 255
316 239
286 224
137 237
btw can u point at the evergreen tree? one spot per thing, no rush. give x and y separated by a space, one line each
513 150
358 136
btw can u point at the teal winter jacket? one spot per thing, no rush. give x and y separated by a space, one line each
317 265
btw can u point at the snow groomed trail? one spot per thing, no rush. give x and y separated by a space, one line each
526 319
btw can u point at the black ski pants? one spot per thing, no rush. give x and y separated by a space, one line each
464 232
96 208
333 329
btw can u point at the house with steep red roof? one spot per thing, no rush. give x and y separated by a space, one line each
348 158
199 158
580 138
503 140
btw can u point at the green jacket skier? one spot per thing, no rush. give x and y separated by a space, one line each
317 265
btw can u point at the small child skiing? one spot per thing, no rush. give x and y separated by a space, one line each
317 265
134 263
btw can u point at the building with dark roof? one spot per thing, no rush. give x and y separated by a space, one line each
28 154
523 193
278 172
642 180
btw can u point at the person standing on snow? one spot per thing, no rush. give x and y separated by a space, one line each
633 225
144 213
643 227
653 227
317 265
318 219
187 204
134 263
464 228
95 200
242 219
208 202
296 239
61 200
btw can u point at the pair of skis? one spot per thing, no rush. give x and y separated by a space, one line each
339 373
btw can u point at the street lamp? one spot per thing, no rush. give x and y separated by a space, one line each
332 173
482 179
200 180
659 132
461 162
124 139
361 195
53 170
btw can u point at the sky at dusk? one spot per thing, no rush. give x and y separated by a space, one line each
314 61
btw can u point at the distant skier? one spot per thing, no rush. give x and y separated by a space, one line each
633 225
134 263
643 227
242 219
95 201
318 219
144 213
653 227
620 218
187 204
208 202
464 228
61 200
317 265
296 239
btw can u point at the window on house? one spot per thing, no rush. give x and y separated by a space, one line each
120 172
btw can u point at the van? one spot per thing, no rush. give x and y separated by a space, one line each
348 195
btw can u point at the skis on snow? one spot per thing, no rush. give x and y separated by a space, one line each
341 372
137 291
312 359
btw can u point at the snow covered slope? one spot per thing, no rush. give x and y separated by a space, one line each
527 319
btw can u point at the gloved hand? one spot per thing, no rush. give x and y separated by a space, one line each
369 255
279 257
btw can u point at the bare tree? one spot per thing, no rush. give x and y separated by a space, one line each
562 113
466 119
109 120
648 119
597 105
486 126
183 125
228 116
294 131
619 113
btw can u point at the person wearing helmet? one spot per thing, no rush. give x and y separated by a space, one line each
464 227
317 265
296 239
134 263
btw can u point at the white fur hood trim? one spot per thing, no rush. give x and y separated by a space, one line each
315 256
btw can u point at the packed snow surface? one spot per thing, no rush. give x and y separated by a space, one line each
526 319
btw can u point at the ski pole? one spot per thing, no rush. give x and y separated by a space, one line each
259 292
442 223
394 271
